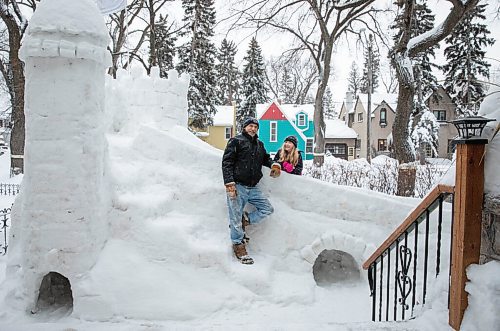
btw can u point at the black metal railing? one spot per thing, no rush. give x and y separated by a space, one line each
9 189
4 217
399 269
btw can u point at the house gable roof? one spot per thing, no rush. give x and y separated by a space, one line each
273 112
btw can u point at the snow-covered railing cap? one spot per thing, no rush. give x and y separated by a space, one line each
70 29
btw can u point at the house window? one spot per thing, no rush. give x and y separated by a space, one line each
228 133
452 146
337 150
351 118
1 123
440 115
358 143
383 117
309 145
382 145
428 150
360 117
351 151
273 131
302 120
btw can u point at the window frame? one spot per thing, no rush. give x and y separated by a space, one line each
382 142
439 112
273 125
383 121
229 134
309 145
360 117
301 120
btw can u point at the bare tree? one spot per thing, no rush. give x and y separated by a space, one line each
12 69
316 26
127 43
289 77
388 79
403 51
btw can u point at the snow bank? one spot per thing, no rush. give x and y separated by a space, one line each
484 297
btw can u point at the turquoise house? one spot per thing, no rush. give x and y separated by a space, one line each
276 122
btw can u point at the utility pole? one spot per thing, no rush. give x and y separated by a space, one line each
369 108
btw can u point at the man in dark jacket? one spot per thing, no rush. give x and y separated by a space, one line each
242 164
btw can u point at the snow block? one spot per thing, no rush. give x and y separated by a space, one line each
328 240
317 246
308 254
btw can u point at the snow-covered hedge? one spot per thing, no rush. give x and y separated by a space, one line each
381 175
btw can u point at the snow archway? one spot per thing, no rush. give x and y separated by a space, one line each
55 294
341 253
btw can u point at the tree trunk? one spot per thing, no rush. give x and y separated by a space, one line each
403 149
17 67
319 118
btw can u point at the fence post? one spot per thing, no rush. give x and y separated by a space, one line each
466 236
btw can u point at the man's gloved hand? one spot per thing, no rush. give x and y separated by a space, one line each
275 170
288 167
231 190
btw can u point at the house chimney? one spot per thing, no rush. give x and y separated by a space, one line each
349 99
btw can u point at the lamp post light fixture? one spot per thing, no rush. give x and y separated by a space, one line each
470 129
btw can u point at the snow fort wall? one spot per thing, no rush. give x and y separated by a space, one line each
133 99
490 230
59 224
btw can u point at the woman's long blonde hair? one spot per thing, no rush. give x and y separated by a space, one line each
290 157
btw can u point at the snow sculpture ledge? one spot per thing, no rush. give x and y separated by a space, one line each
59 220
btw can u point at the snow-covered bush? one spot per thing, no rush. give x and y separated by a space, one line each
381 175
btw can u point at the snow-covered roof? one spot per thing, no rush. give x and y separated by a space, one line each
290 110
338 129
377 98
224 116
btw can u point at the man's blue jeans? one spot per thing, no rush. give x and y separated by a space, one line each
246 194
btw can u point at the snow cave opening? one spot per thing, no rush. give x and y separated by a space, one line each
55 294
335 266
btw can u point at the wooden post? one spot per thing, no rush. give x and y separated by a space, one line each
466 241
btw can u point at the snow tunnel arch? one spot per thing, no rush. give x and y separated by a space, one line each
55 294
336 257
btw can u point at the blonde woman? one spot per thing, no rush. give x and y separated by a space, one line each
289 157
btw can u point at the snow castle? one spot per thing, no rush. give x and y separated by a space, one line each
87 215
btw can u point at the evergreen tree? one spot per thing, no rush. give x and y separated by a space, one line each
426 130
375 69
197 58
254 87
423 22
164 44
328 105
465 61
354 79
227 73
287 86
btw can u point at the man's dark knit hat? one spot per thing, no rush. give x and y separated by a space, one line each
250 120
292 139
